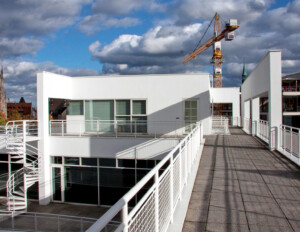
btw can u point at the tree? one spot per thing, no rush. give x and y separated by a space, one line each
2 119
14 115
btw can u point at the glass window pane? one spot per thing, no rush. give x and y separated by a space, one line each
71 160
194 112
99 110
193 104
81 185
139 107
187 104
123 107
75 108
56 160
126 163
107 162
89 161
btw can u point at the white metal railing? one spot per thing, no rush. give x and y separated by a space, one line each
247 125
32 221
165 182
263 130
115 128
220 125
148 149
285 139
290 142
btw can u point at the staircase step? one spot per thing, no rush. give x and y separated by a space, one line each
19 207
16 203
20 193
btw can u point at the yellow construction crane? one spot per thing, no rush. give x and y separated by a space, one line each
228 34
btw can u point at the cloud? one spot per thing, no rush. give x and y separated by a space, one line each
106 14
20 77
162 48
188 10
34 17
23 24
18 46
93 23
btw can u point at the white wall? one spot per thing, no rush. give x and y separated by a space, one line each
227 95
48 85
165 95
265 80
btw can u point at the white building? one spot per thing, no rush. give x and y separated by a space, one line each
110 131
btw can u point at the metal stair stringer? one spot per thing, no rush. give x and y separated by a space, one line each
22 152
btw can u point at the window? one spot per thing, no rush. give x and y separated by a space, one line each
71 160
89 161
75 108
138 107
56 160
190 114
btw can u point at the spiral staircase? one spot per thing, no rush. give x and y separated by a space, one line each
18 136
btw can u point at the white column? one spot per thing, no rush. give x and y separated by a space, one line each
275 98
255 114
43 117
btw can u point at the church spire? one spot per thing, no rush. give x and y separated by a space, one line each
244 76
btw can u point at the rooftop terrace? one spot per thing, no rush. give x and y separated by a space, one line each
243 186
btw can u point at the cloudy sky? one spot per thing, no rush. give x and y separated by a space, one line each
100 37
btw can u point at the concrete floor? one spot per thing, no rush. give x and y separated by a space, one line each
242 186
27 221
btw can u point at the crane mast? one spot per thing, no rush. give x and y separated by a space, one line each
215 41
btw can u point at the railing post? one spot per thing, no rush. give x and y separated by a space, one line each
171 187
291 131
180 168
124 217
35 223
298 147
58 224
135 129
156 182
62 128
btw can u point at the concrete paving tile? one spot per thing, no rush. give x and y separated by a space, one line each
267 220
266 208
196 215
295 224
290 209
201 196
225 181
228 188
258 198
224 216
268 228
193 227
202 187
255 188
225 195
228 204
229 174
284 192
200 205
249 175
218 227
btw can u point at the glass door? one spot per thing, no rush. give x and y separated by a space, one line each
56 184
190 114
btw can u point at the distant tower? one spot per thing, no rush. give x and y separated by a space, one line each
3 106
244 76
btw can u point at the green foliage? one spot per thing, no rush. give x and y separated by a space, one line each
2 119
14 115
